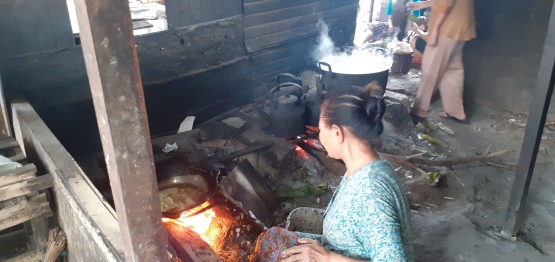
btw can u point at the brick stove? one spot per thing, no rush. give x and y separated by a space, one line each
242 207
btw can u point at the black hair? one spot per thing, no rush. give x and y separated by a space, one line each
355 108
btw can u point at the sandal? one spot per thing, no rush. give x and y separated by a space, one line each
416 119
447 116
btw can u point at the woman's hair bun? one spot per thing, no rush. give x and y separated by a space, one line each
361 110
375 104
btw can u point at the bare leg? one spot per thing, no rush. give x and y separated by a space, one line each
413 46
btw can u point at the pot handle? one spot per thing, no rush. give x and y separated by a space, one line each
295 78
319 88
216 172
320 64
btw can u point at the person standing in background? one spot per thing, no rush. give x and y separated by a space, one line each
389 12
451 24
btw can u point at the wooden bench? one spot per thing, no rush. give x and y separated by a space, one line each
23 199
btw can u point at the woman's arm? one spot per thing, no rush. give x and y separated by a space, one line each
420 5
364 41
442 8
417 31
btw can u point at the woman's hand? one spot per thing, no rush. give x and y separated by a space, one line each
431 39
415 28
308 251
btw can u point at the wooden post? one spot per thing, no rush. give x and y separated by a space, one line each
533 133
106 32
5 127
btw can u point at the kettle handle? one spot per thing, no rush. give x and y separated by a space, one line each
277 88
320 64
295 78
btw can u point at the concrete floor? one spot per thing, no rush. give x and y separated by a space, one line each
13 243
456 222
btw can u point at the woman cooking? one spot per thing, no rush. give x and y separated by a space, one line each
368 217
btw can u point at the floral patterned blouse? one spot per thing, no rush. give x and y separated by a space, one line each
368 217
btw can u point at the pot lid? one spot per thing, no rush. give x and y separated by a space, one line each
287 99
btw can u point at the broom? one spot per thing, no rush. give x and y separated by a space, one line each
56 244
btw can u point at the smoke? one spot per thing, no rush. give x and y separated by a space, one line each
349 60
325 47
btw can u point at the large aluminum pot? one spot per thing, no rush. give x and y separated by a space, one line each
334 77
332 80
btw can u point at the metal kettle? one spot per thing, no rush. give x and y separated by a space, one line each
287 112
313 95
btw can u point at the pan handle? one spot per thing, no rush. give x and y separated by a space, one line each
320 64
200 211
216 173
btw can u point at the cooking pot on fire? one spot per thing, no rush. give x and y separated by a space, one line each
193 187
287 112
355 70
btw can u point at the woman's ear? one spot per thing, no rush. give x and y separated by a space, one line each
338 134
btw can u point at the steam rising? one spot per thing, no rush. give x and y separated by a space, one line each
349 60
325 47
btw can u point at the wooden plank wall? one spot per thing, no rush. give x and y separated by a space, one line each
33 26
182 13
280 34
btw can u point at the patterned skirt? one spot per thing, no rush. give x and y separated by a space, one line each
272 243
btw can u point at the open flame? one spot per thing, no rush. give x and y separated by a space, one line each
199 223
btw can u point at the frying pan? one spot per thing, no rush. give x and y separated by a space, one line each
174 170
176 176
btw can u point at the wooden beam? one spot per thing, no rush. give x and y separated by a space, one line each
18 174
40 231
533 133
5 127
34 208
26 187
8 144
14 205
106 31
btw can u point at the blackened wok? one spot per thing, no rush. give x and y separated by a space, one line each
178 176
